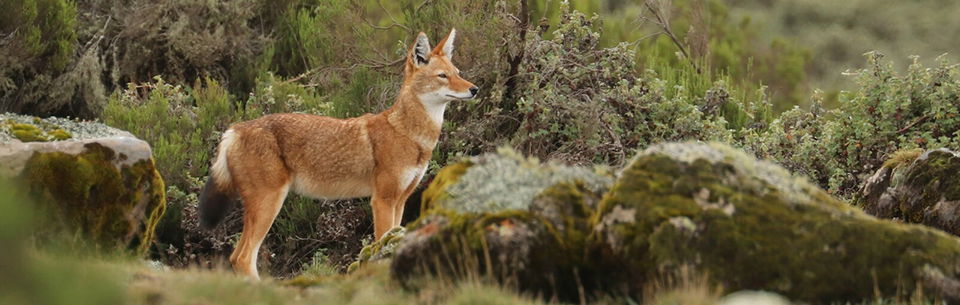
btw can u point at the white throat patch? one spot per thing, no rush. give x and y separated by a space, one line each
435 103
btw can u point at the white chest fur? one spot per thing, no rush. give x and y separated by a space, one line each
411 175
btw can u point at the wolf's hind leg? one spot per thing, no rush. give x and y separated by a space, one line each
258 216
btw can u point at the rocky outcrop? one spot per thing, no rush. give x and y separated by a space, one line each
744 223
916 187
508 217
99 181
752 225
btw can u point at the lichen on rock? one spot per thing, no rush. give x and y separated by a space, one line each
504 181
783 235
104 189
510 218
743 223
34 129
916 187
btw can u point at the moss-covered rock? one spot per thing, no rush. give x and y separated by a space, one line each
106 190
916 187
379 250
750 224
508 217
743 223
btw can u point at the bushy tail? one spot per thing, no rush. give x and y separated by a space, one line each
215 203
216 199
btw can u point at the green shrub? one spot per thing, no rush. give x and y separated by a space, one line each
305 37
889 112
180 123
38 40
182 39
44 29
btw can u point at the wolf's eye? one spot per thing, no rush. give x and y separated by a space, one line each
442 75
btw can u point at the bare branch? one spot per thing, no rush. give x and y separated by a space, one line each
394 22
914 123
662 20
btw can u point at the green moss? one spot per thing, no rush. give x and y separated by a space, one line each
380 249
902 157
32 133
21 126
746 224
748 233
304 281
60 134
27 133
86 193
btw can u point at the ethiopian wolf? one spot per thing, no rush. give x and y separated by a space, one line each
382 155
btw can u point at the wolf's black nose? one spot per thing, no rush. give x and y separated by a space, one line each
474 90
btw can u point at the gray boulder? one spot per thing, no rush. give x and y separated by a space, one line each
88 177
916 186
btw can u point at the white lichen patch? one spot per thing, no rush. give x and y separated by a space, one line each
935 278
508 181
617 215
702 198
927 154
758 175
683 224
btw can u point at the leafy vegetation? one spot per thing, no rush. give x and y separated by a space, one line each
839 148
37 43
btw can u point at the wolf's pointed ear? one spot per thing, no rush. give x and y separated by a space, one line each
420 54
445 46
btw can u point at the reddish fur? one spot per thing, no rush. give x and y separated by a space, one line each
335 158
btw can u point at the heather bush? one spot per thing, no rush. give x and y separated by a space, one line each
889 112
42 29
38 43
575 101
305 37
64 58
182 39
180 123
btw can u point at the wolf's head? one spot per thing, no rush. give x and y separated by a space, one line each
432 76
